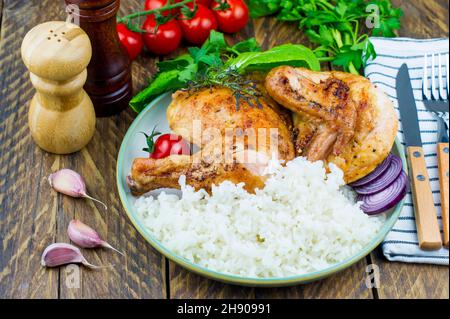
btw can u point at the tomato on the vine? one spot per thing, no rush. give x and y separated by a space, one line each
166 145
232 15
197 27
161 39
132 41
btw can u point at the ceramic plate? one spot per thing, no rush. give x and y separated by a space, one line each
155 114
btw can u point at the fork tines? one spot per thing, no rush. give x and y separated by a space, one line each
439 83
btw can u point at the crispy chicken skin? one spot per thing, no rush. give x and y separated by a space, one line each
201 173
215 109
338 117
206 118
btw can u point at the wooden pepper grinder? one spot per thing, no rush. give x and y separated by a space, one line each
61 115
109 82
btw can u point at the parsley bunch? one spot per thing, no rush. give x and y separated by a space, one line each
336 26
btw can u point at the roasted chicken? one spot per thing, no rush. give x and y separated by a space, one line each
338 117
234 144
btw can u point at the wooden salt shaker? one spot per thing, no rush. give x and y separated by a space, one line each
109 82
61 115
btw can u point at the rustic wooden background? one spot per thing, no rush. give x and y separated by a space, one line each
32 216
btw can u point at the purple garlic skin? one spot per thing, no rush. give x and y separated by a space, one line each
70 183
83 235
60 254
86 237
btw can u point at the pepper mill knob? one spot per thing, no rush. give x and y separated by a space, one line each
61 115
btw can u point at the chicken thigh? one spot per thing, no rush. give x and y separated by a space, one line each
338 117
235 144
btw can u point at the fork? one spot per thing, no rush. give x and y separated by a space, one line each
435 98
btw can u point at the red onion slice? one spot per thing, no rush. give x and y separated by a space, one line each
375 174
381 202
384 180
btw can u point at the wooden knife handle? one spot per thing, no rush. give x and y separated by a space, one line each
443 151
425 211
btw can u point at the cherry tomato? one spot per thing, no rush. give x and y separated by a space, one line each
132 41
156 4
234 18
197 29
170 144
165 40
205 2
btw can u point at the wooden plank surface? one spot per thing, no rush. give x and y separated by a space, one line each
32 216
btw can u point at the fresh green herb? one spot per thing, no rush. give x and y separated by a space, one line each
218 64
242 88
286 54
335 26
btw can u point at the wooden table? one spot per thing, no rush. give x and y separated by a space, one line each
32 216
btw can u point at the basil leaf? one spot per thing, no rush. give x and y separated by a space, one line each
163 82
288 54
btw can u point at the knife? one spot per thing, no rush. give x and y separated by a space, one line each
425 211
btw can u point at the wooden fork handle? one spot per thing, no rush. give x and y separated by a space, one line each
443 151
425 211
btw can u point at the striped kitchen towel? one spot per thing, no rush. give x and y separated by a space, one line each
401 244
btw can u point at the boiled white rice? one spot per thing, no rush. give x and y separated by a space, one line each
304 220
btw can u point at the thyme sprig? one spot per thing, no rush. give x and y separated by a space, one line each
243 89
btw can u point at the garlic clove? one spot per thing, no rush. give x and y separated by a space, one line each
83 235
70 183
60 254
67 182
86 237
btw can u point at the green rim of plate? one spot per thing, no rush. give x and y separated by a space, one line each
234 279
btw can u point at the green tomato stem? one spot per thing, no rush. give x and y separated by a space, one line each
138 14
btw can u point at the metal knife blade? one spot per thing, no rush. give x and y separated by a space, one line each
408 108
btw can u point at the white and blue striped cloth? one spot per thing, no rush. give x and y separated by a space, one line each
401 244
